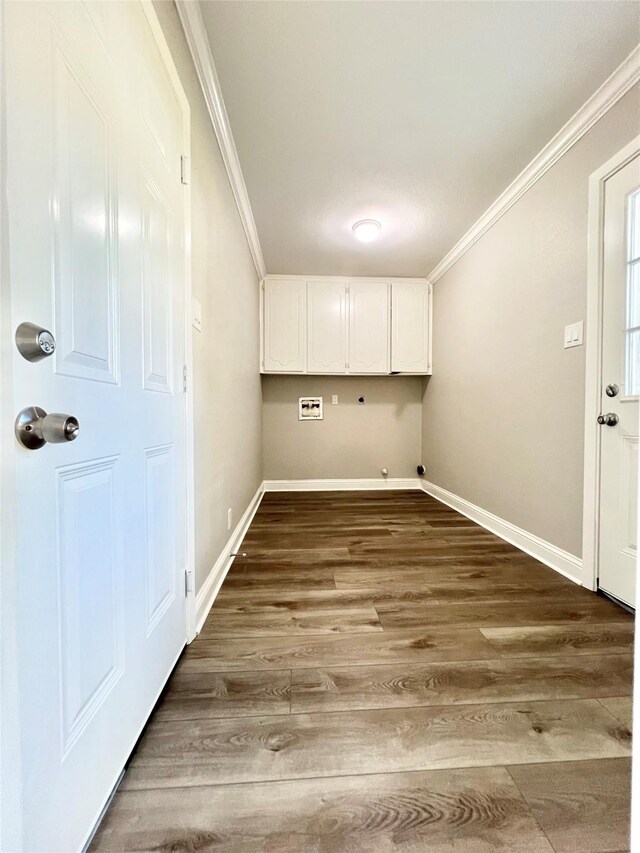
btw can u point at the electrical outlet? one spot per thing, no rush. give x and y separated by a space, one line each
334 399
229 518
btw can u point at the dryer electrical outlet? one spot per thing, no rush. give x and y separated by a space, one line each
310 409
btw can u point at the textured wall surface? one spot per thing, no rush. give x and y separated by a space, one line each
228 405
352 441
503 414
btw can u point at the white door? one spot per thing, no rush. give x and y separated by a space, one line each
368 327
326 327
620 384
96 213
284 338
410 325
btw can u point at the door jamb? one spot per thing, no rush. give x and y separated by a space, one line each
174 77
593 366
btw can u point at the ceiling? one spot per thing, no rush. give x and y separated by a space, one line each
417 114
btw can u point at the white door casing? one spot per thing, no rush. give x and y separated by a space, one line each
98 253
620 367
611 458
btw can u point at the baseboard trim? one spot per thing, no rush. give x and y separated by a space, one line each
211 587
389 483
556 558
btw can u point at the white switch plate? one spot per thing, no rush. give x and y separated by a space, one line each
196 314
229 518
573 335
334 399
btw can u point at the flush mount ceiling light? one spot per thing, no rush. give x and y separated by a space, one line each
366 230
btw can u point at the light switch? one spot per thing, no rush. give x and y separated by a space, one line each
196 314
573 335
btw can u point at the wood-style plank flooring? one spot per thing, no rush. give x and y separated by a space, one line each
380 674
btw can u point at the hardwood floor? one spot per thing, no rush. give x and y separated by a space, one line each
381 674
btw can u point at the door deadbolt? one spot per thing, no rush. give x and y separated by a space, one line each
34 343
34 428
612 390
610 419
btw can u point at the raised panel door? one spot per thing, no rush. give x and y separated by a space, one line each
96 242
368 327
410 327
284 326
326 327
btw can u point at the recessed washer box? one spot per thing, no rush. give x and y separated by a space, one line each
310 409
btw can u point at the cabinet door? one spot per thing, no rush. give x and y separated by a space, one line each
326 327
368 328
284 326
410 345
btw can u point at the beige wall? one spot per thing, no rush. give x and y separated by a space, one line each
352 441
228 406
503 413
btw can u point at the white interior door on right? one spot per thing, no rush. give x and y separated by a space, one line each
620 384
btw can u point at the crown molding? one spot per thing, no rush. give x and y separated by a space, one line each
196 35
618 84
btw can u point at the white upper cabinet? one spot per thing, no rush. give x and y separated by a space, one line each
326 327
284 326
368 327
410 327
336 325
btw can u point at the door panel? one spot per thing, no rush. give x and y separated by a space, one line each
156 288
326 327
410 328
620 367
285 329
85 203
100 521
90 590
368 328
160 532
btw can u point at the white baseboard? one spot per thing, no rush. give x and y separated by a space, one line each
340 485
556 558
211 587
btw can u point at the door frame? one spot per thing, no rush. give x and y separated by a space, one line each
172 72
593 359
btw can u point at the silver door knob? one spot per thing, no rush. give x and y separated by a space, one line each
610 419
34 428
612 390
